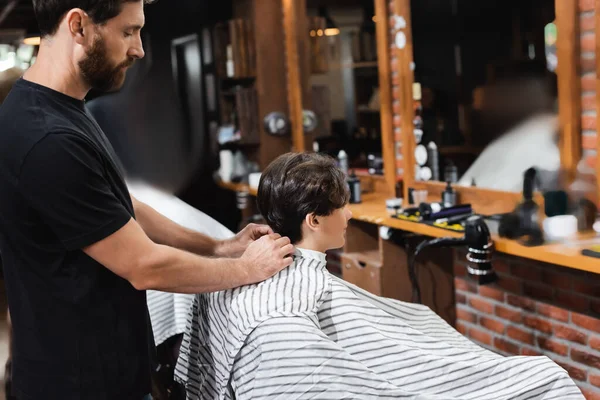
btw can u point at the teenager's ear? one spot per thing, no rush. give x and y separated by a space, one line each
312 221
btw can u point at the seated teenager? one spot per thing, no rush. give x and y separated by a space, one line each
305 334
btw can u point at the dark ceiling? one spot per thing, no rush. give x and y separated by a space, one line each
17 14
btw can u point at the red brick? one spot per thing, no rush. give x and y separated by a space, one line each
592 324
501 266
537 324
397 121
459 270
466 315
572 301
560 281
492 293
588 103
583 287
595 343
481 305
588 42
586 5
574 372
590 395
491 324
520 335
506 346
553 312
508 314
585 358
461 328
588 122
595 380
521 302
588 82
465 285
396 92
525 351
398 135
552 345
587 23
480 336
588 64
570 334
512 285
539 292
460 298
591 160
526 271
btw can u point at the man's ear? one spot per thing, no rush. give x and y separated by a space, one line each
79 25
312 221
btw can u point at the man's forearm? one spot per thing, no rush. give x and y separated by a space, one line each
164 231
172 270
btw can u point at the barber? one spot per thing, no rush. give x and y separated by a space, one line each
78 250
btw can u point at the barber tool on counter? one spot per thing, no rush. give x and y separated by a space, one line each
479 245
523 223
355 189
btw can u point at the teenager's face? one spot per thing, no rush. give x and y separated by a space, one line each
332 228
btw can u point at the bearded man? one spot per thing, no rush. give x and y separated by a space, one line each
78 250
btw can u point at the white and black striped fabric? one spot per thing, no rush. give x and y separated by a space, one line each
305 334
169 311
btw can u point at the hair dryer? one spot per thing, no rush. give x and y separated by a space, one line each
479 244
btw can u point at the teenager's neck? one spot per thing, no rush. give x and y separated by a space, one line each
55 71
310 244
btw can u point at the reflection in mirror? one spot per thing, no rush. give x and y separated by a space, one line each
345 82
486 92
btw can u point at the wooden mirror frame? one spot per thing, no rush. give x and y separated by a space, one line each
294 13
569 103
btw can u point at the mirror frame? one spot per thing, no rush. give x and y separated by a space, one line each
490 201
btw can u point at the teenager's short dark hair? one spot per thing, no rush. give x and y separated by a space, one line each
297 184
49 13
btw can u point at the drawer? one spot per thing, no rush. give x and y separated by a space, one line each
363 270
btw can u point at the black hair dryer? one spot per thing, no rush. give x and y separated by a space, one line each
523 223
480 247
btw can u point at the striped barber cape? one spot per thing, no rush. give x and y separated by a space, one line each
305 334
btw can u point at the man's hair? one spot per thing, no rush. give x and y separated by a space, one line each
49 13
297 184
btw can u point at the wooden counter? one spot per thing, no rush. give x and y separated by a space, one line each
372 210
237 187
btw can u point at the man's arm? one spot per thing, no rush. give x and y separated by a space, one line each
131 254
164 231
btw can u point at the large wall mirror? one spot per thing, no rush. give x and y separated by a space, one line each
485 93
484 83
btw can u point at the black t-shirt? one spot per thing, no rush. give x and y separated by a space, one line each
80 331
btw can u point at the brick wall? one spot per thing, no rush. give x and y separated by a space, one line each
588 85
587 28
535 309
395 95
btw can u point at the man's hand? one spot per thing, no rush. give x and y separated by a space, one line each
236 246
267 256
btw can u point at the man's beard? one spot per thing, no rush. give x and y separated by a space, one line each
98 71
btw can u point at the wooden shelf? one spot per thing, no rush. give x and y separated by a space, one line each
237 187
372 210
